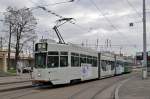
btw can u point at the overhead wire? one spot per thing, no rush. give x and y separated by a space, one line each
100 12
136 12
59 16
52 4
81 26
134 9
14 46
96 8
108 20
58 3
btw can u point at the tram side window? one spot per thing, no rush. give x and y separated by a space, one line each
108 65
103 65
53 61
63 61
89 60
117 64
82 59
74 60
120 63
112 65
94 62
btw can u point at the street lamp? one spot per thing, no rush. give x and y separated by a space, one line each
144 63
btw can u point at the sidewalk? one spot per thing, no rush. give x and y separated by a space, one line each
135 88
11 79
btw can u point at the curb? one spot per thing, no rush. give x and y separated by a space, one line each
16 88
5 83
118 88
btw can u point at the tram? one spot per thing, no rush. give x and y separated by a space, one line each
128 65
57 63
63 63
107 64
119 66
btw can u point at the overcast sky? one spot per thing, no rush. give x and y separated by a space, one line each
95 19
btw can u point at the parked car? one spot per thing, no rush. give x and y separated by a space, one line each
27 69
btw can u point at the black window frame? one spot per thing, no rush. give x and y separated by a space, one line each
41 65
42 49
59 54
57 64
95 61
75 60
63 54
103 65
83 59
53 53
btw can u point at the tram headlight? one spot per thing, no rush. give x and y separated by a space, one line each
39 75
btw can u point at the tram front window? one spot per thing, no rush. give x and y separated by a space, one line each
40 60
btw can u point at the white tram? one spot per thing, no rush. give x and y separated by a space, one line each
57 63
107 64
64 63
119 65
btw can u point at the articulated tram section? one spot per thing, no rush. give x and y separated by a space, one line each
62 63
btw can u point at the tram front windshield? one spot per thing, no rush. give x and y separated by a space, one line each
40 60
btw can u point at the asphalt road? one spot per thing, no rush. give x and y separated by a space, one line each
97 89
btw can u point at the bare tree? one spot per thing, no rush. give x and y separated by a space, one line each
23 29
9 22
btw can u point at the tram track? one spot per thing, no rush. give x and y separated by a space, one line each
18 93
95 87
6 83
15 86
99 89
111 90
74 96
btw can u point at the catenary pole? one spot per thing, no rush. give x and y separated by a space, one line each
144 43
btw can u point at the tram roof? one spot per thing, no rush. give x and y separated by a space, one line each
71 47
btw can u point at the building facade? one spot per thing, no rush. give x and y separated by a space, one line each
24 60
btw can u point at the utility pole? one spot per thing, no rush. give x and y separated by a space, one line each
97 43
33 46
108 44
86 42
1 42
82 44
120 50
144 43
